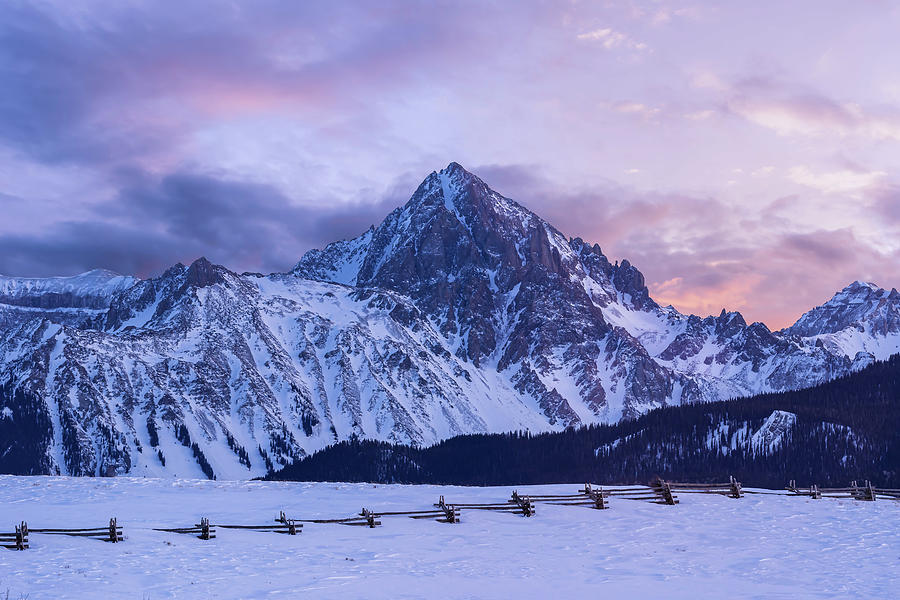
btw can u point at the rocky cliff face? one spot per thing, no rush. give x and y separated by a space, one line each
461 312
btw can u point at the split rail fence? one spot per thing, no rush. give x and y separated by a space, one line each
657 492
866 492
107 533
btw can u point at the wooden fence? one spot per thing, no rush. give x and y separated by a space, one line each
866 492
732 489
443 513
593 498
17 540
202 530
658 491
365 518
110 533
518 505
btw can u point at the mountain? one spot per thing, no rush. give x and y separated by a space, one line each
462 312
830 434
862 321
75 300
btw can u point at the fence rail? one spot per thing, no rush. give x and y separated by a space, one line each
202 530
865 492
110 533
658 491
732 488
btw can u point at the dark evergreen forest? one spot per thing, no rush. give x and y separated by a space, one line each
846 429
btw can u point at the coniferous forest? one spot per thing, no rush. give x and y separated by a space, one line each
846 429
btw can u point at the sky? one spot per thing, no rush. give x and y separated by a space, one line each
743 155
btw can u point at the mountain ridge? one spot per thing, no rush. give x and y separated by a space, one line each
461 312
829 435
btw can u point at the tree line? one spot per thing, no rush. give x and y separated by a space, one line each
845 429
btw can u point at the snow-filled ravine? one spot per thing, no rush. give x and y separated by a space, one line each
760 546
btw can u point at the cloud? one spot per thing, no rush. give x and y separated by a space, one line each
702 254
637 109
133 135
611 39
887 203
700 115
790 108
157 221
93 84
774 106
836 182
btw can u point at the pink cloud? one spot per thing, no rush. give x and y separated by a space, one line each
698 255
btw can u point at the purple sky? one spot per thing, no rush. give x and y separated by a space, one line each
741 154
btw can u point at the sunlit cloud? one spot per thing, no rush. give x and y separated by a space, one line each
817 116
611 39
637 109
835 182
700 115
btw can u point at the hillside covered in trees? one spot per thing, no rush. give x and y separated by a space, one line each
830 434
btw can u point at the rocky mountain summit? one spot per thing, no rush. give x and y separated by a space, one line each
461 312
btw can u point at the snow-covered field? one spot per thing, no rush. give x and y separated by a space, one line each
706 547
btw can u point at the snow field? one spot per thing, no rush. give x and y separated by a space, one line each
706 547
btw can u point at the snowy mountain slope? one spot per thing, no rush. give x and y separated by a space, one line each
89 290
774 432
461 312
77 300
261 368
509 289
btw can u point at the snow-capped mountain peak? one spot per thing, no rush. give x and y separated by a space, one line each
862 317
93 286
462 311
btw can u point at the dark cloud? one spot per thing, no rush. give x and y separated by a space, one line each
56 80
99 84
155 222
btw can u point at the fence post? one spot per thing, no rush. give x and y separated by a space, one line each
735 487
369 516
665 490
870 491
21 536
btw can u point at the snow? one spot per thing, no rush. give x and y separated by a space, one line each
141 317
773 432
564 382
486 402
98 282
851 341
761 546
448 194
